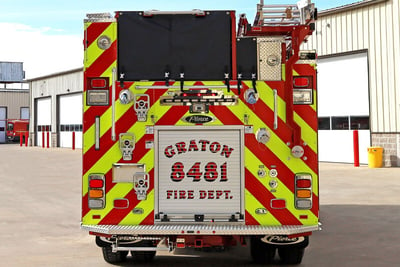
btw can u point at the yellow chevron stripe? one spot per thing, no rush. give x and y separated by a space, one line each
276 145
103 165
120 189
263 219
282 191
93 51
307 133
105 124
146 205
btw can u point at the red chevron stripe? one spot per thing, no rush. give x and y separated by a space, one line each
268 158
122 125
103 62
115 216
258 190
94 111
308 114
283 131
305 70
226 114
149 220
250 219
264 154
286 176
173 115
94 31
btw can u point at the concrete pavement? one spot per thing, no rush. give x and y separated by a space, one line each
40 193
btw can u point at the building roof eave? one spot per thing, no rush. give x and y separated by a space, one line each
349 7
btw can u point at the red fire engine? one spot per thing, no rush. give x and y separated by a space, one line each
200 131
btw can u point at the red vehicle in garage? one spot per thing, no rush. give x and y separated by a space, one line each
16 127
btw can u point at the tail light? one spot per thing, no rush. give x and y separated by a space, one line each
303 191
97 91
96 193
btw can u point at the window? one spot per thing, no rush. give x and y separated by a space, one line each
359 122
10 127
340 123
324 123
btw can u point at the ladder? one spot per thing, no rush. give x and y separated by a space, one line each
284 15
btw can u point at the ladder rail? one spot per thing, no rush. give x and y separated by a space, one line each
281 14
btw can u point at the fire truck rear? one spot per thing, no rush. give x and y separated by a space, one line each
200 130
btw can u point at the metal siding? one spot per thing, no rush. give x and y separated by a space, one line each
14 101
376 28
51 86
11 72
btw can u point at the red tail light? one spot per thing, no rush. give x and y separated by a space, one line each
301 81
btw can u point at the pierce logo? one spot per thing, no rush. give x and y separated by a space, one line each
282 240
198 119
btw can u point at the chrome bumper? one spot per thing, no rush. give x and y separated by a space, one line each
199 229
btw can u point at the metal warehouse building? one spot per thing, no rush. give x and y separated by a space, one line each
359 58
56 102
14 95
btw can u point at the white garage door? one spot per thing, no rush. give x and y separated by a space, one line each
3 117
43 129
70 120
343 106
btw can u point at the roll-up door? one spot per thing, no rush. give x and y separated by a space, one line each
43 121
343 106
199 169
70 120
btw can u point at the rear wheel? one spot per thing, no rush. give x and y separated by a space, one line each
113 257
291 255
261 252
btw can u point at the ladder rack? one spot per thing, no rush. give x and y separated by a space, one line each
284 15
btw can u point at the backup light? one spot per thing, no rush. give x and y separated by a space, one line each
302 96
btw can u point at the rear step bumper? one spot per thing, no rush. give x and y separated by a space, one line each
199 229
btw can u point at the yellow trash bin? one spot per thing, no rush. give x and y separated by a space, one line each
375 157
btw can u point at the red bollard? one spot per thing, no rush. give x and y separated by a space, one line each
73 140
356 149
43 139
48 139
20 139
26 138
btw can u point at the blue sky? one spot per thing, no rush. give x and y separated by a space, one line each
35 28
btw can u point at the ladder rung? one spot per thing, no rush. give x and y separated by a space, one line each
279 17
285 22
279 6
294 11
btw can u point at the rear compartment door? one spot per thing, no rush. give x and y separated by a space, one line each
199 174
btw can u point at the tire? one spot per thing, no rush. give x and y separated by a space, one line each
261 252
291 255
144 256
113 257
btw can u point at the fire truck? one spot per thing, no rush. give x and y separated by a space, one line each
15 128
200 131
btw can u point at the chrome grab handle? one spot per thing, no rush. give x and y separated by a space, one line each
114 79
275 109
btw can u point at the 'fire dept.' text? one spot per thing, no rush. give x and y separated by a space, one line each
201 194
